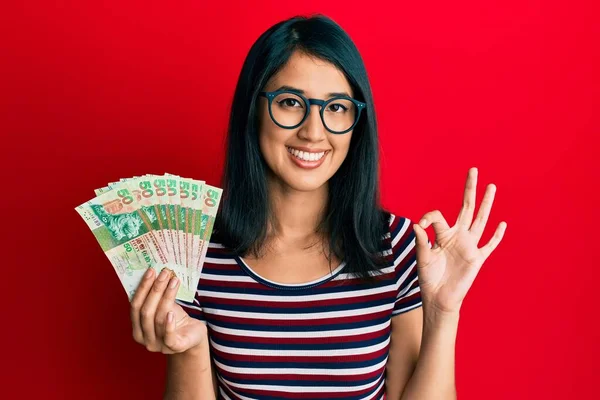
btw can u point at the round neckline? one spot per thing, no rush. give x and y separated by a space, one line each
288 286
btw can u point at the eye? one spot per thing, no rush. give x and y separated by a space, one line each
289 102
335 107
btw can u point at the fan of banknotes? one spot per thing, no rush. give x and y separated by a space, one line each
154 221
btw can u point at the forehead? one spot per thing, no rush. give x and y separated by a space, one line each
313 75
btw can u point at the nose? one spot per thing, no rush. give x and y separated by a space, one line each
312 129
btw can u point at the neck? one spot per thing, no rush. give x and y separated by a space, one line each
297 214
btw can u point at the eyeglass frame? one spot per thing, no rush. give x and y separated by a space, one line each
309 102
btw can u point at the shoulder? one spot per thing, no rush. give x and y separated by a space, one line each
400 231
402 254
217 252
216 249
400 242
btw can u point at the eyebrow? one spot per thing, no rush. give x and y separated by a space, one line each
293 89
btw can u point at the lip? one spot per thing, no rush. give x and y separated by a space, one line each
308 149
308 164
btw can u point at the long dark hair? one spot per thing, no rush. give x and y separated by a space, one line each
354 220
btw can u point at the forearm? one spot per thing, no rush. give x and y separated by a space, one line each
189 375
433 377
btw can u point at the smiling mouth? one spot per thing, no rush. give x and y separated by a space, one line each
306 156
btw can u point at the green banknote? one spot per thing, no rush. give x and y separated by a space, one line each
189 190
154 221
159 183
125 237
174 196
210 199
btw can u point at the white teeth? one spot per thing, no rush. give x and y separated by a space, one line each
306 156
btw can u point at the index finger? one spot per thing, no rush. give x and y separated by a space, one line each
165 305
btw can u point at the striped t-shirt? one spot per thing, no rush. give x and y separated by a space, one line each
325 339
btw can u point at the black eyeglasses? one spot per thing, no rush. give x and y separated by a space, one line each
289 109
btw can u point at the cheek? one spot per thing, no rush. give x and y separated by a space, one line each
270 140
264 144
341 145
265 130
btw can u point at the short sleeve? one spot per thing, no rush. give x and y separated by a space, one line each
404 257
193 308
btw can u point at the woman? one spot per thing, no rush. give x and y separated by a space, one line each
310 290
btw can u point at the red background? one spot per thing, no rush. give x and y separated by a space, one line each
93 92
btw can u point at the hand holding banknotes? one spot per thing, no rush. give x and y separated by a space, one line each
160 324
154 222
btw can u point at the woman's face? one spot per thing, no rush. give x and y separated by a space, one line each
280 147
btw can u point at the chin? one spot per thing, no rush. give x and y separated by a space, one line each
306 184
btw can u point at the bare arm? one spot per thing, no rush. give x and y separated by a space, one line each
190 375
421 360
434 377
405 344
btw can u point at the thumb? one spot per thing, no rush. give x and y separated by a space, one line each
172 340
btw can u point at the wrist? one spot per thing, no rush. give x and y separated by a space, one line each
198 350
434 314
199 356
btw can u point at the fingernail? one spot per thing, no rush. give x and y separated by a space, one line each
163 275
423 223
148 273
170 316
173 282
